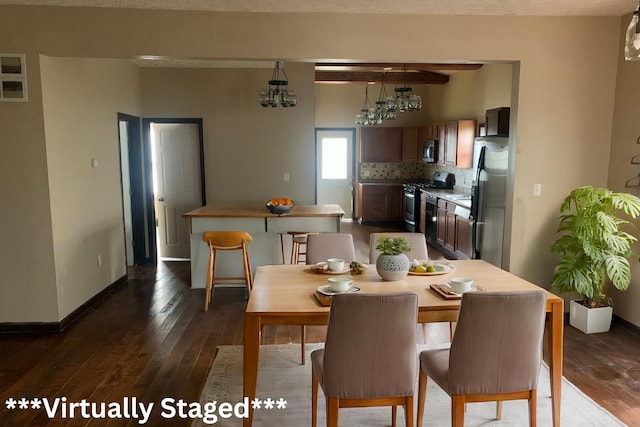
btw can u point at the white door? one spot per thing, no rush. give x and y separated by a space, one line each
334 182
177 186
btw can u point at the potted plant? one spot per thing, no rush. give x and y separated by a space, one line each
595 251
393 263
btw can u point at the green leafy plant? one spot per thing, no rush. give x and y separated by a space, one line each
393 245
594 247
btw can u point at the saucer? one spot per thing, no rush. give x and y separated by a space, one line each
472 289
326 290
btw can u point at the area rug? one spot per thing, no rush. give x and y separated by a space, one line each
281 376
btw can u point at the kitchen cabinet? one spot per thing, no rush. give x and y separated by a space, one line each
381 202
446 225
458 143
411 151
497 121
454 229
381 144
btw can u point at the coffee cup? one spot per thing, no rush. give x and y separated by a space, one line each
460 284
335 264
339 284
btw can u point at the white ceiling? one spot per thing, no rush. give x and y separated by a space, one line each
433 7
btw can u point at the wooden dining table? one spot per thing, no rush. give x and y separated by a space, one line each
284 295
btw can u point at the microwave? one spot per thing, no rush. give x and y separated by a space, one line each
430 151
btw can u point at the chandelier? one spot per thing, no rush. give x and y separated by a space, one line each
404 99
278 92
632 40
386 107
368 116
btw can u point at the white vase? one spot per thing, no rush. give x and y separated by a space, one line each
590 320
393 267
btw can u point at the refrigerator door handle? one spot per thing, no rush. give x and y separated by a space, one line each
477 237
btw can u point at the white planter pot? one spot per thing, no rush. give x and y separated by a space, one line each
590 320
393 267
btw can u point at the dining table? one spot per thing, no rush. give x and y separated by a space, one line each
286 295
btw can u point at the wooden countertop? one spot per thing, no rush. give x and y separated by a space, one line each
260 211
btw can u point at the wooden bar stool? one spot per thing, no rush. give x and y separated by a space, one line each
226 241
298 245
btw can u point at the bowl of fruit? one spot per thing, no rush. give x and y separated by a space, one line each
280 205
430 268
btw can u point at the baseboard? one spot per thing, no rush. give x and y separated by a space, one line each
48 327
626 324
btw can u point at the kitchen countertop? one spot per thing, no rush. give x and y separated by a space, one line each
455 196
260 211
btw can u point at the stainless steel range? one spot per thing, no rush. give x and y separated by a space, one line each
441 180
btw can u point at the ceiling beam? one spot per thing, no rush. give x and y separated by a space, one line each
424 77
395 66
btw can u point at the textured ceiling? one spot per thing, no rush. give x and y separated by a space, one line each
435 7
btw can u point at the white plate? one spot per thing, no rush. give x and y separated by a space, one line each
326 290
472 289
449 269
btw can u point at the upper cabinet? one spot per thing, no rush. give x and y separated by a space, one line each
497 121
458 143
411 146
381 144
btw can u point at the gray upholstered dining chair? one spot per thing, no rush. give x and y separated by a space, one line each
330 245
416 240
321 247
369 357
495 354
420 252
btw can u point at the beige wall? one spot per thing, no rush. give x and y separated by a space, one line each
247 147
81 98
625 143
566 87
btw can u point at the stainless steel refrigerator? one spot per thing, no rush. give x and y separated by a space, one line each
488 197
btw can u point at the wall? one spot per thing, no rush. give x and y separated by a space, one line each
566 84
247 147
625 143
81 99
27 273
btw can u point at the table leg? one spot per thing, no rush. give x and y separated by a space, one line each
556 321
251 357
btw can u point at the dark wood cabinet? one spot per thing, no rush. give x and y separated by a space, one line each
454 229
380 202
422 222
411 145
458 143
381 144
497 121
464 242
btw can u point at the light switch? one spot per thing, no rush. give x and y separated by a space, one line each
537 189
286 177
94 163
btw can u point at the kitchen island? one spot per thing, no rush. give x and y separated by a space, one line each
263 226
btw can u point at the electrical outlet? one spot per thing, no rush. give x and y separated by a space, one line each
99 260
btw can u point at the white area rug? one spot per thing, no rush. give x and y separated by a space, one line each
280 375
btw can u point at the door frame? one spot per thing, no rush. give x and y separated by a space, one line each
148 198
353 163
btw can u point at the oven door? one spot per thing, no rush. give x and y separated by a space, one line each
410 210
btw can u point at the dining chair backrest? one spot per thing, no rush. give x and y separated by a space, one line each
497 345
322 246
370 349
416 240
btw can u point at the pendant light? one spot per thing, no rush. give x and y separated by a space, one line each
368 115
632 40
278 93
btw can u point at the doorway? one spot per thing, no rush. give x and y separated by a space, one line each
176 160
335 167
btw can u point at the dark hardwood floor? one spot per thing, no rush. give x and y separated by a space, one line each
150 338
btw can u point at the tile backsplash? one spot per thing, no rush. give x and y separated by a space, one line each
416 171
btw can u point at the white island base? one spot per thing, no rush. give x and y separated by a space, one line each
265 229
